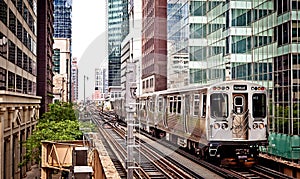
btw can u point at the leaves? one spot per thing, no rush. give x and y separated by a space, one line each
59 123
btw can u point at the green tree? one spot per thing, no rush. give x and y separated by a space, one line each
59 123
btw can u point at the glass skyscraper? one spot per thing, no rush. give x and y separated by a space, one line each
245 39
62 18
117 15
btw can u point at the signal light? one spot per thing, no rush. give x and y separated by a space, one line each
261 125
216 125
259 88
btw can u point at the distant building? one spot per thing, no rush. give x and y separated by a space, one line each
19 104
61 69
101 86
154 45
74 81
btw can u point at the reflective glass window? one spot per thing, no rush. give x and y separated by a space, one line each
219 105
259 105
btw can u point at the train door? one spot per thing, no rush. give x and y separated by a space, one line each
240 116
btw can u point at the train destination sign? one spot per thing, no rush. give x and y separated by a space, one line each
240 87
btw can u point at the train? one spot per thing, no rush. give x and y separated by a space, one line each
226 122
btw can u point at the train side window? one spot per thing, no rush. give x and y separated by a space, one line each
174 104
171 99
160 104
259 105
150 105
203 111
178 104
196 104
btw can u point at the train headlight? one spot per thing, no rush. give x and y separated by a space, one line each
261 125
216 125
255 126
224 126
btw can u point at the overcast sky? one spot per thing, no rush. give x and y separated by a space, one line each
88 37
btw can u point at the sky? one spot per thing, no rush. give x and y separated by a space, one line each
88 37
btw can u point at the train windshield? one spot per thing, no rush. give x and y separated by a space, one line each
219 105
259 105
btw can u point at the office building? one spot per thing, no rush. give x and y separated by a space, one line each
62 18
131 51
19 106
117 29
63 32
44 53
101 85
154 45
61 69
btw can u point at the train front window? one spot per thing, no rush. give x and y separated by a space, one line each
219 105
259 105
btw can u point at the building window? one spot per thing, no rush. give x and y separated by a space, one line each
19 57
25 86
3 45
2 79
11 81
198 8
196 104
19 30
3 12
12 22
56 61
25 62
19 83
11 52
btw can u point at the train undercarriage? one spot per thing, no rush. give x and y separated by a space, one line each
225 154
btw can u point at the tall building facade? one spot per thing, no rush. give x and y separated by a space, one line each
19 105
62 18
117 29
44 53
154 45
249 40
131 51
63 32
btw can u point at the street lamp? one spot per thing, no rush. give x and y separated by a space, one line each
84 77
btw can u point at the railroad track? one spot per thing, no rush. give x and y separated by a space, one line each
116 140
255 172
150 163
164 167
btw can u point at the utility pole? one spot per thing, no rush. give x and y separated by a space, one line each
84 77
130 99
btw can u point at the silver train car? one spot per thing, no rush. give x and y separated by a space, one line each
225 122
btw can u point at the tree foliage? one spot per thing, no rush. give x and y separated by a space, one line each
59 123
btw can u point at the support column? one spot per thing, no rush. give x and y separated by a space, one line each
130 99
2 111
